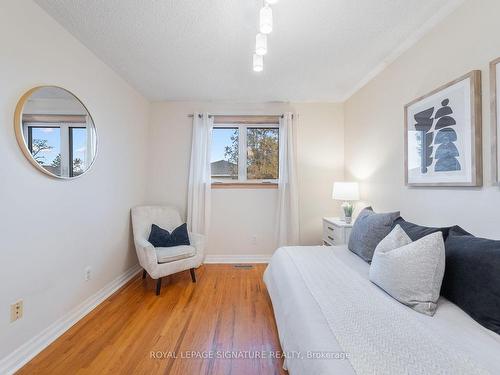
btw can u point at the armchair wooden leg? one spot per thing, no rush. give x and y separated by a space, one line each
158 286
143 274
193 275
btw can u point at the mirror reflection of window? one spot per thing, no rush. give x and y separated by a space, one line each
78 151
44 144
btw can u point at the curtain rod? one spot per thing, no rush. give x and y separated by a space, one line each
210 115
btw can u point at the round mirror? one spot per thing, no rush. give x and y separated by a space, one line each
55 132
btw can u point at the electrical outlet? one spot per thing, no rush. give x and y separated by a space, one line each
254 240
16 311
88 273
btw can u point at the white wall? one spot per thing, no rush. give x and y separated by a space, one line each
51 229
466 40
240 215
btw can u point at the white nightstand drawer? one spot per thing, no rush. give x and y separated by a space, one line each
332 233
335 232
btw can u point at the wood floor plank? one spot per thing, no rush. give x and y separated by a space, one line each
196 328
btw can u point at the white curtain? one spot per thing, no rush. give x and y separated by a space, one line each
288 195
199 186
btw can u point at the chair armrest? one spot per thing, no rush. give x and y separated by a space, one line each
198 241
148 252
143 243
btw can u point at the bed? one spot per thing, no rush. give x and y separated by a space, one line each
332 320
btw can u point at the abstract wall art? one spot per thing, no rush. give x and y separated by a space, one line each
443 135
495 118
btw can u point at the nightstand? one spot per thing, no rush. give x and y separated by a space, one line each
335 231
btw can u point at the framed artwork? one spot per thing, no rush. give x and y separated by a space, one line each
443 135
495 118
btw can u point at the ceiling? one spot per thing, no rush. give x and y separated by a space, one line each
319 50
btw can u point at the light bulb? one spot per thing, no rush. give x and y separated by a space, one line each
258 63
261 44
266 19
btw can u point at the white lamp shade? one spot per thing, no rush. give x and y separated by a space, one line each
261 44
266 19
258 63
346 191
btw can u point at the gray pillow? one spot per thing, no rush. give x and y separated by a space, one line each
396 238
411 272
368 230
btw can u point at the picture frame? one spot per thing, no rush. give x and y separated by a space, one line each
495 119
443 135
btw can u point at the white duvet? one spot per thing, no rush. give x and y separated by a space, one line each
332 320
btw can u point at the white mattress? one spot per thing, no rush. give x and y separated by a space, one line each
303 328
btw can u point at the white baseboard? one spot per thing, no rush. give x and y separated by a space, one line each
236 258
22 355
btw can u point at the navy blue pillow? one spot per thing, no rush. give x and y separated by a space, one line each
472 276
416 232
160 237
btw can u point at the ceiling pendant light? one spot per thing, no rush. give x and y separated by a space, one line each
266 19
271 2
261 44
258 63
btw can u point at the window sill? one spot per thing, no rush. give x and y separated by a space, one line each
244 185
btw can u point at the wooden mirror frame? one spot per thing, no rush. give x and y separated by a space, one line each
18 129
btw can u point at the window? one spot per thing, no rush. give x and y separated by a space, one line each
262 153
225 155
245 153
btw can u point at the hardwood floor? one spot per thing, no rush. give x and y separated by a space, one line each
228 309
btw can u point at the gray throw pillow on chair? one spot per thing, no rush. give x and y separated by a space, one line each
411 272
368 230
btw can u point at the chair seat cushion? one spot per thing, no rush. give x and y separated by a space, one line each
173 253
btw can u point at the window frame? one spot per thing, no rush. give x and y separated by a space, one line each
242 180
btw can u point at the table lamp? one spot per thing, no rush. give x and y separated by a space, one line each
347 192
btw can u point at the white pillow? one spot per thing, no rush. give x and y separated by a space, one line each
411 272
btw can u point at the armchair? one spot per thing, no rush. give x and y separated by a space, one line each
163 261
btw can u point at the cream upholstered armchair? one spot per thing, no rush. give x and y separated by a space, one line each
163 261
